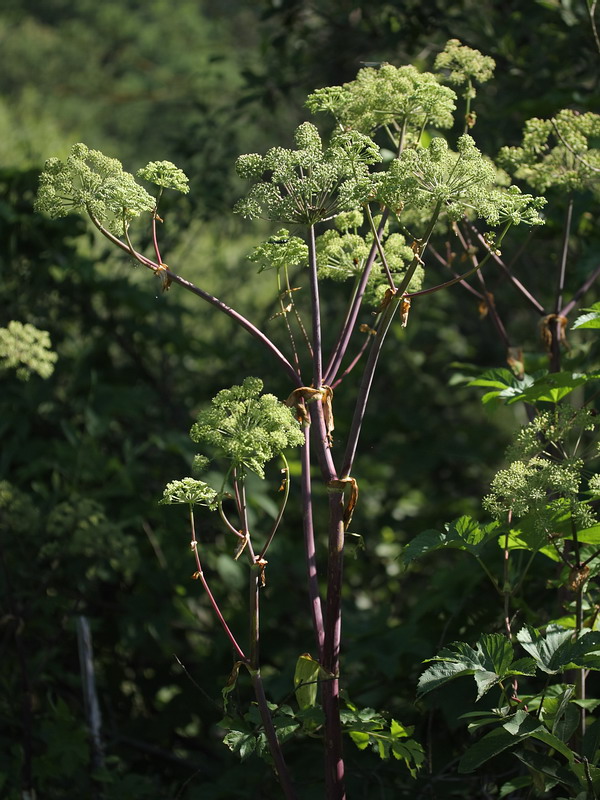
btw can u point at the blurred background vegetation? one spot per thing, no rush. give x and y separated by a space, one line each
86 453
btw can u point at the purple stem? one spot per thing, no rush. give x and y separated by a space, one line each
365 386
562 270
515 281
271 734
580 292
213 602
246 324
446 263
314 594
374 352
334 757
555 325
342 344
316 310
354 361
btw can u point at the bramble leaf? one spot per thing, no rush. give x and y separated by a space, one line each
368 728
557 650
591 319
491 661
464 533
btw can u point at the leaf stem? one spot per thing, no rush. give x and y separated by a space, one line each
230 312
200 575
316 310
344 338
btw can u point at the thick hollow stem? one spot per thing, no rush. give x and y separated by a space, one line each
314 594
334 762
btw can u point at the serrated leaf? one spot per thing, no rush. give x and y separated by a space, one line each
557 650
495 378
240 742
464 533
590 319
489 663
519 727
360 738
553 387
423 543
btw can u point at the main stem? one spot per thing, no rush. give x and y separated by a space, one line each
334 760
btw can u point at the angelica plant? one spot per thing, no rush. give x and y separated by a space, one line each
363 214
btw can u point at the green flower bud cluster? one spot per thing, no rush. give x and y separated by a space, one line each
463 182
557 152
191 492
525 489
91 182
342 254
311 183
388 96
464 65
27 350
422 177
247 427
166 175
279 251
536 483
553 428
510 204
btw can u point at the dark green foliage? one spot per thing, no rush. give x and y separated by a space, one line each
86 453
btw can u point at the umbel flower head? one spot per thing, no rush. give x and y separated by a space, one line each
280 251
342 254
464 65
311 183
191 492
247 427
560 152
387 96
537 485
166 175
90 182
462 182
27 350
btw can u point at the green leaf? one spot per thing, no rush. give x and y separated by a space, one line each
519 727
553 387
556 650
464 533
551 770
514 785
368 728
591 740
306 679
591 319
240 742
495 378
507 386
487 747
489 663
